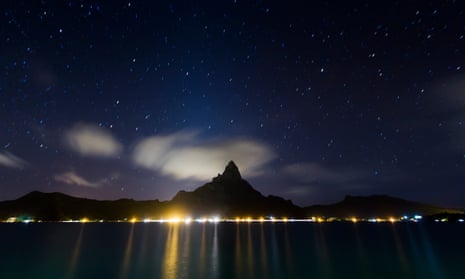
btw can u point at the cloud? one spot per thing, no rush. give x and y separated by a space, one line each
448 103
452 91
11 161
91 140
73 178
183 156
310 172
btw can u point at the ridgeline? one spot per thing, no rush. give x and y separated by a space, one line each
228 195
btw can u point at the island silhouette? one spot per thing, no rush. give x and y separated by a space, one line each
227 195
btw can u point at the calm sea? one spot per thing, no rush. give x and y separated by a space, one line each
229 250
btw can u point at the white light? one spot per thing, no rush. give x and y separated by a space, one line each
214 219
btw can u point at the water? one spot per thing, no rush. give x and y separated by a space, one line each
229 250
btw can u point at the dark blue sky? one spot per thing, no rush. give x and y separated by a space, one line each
313 100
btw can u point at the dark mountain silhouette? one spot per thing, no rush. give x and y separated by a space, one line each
375 206
230 195
227 195
58 206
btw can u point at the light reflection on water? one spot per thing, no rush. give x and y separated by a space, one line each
203 253
404 264
249 260
75 254
229 250
263 253
237 252
321 250
215 254
127 254
170 259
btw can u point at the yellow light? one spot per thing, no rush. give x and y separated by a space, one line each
249 219
285 219
84 220
133 220
238 219
262 219
392 220
187 220
354 220
174 220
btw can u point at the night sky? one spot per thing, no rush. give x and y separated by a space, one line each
313 100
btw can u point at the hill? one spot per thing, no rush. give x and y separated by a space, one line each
228 195
375 206
58 206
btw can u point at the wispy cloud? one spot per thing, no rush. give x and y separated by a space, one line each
91 140
451 90
448 103
73 178
310 172
183 155
11 161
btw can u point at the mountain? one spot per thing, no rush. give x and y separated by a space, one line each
230 195
375 206
227 195
58 206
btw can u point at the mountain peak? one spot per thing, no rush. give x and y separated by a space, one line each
231 172
229 194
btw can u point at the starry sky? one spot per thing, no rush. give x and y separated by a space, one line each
312 99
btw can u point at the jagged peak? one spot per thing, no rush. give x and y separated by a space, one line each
231 172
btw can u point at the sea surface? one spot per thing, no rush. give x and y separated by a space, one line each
230 250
